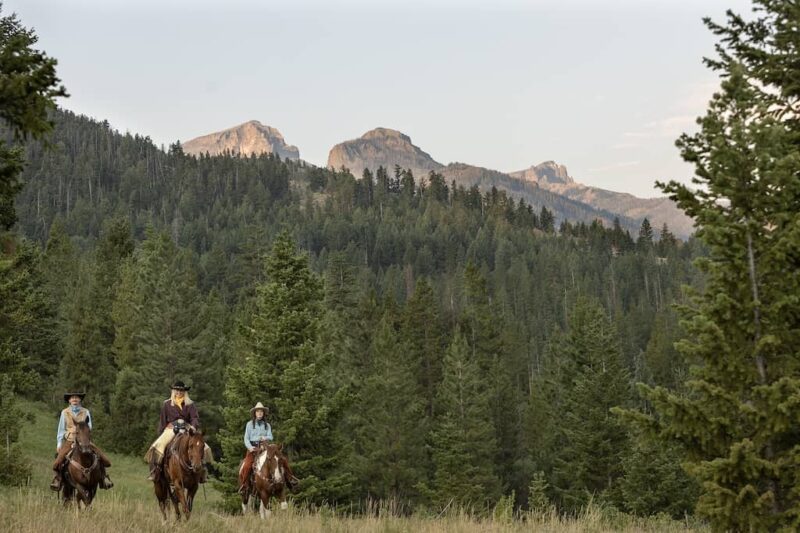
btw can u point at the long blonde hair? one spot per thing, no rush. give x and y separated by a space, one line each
186 399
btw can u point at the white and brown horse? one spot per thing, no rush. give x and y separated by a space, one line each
270 478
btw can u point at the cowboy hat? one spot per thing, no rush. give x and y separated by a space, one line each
68 395
179 385
259 405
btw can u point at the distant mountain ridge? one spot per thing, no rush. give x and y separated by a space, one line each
554 177
386 147
252 137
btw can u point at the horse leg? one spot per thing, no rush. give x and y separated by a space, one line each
180 492
192 490
245 498
284 505
264 510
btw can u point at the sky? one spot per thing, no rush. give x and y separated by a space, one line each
603 87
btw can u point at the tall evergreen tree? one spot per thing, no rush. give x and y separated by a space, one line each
28 89
278 362
463 437
161 335
591 440
735 418
391 437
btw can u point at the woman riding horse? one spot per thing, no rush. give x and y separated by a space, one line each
65 439
178 407
257 431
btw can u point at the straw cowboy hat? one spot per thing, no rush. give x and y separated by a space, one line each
259 405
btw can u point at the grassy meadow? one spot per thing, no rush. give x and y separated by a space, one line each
131 506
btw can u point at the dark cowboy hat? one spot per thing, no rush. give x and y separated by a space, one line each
68 395
179 385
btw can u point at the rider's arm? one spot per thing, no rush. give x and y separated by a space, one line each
269 432
162 422
194 418
247 437
62 429
89 419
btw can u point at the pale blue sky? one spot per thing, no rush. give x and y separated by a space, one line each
603 87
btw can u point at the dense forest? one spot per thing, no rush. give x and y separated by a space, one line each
417 341
412 297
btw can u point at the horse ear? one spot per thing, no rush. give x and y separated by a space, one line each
280 447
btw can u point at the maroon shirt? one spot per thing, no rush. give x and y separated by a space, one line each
170 413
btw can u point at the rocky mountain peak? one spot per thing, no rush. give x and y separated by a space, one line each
252 137
381 147
548 172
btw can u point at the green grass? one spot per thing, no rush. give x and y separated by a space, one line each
131 506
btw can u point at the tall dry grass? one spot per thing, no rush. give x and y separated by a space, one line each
28 511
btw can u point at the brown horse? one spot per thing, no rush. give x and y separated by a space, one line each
180 476
270 478
83 472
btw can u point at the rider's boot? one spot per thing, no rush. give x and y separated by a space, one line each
106 482
155 468
56 483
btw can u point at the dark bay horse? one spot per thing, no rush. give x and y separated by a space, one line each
181 473
270 478
83 472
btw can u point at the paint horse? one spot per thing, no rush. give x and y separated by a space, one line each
180 476
270 478
82 472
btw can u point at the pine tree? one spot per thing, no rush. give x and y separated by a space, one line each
161 335
391 436
591 440
28 89
734 419
278 362
423 336
463 437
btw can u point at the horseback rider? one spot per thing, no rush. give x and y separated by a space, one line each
178 410
65 439
256 431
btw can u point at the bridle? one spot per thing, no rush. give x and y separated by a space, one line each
83 469
174 452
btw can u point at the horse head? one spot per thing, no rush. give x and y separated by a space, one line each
195 449
83 436
274 462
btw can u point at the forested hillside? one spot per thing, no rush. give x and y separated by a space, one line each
424 329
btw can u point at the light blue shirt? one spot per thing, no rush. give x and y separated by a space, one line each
255 433
62 426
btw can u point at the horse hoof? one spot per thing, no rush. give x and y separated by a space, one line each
284 506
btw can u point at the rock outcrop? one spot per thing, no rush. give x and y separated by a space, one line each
249 138
381 147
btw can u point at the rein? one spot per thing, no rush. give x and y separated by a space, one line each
174 452
83 469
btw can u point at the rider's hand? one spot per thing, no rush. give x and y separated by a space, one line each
263 439
169 426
